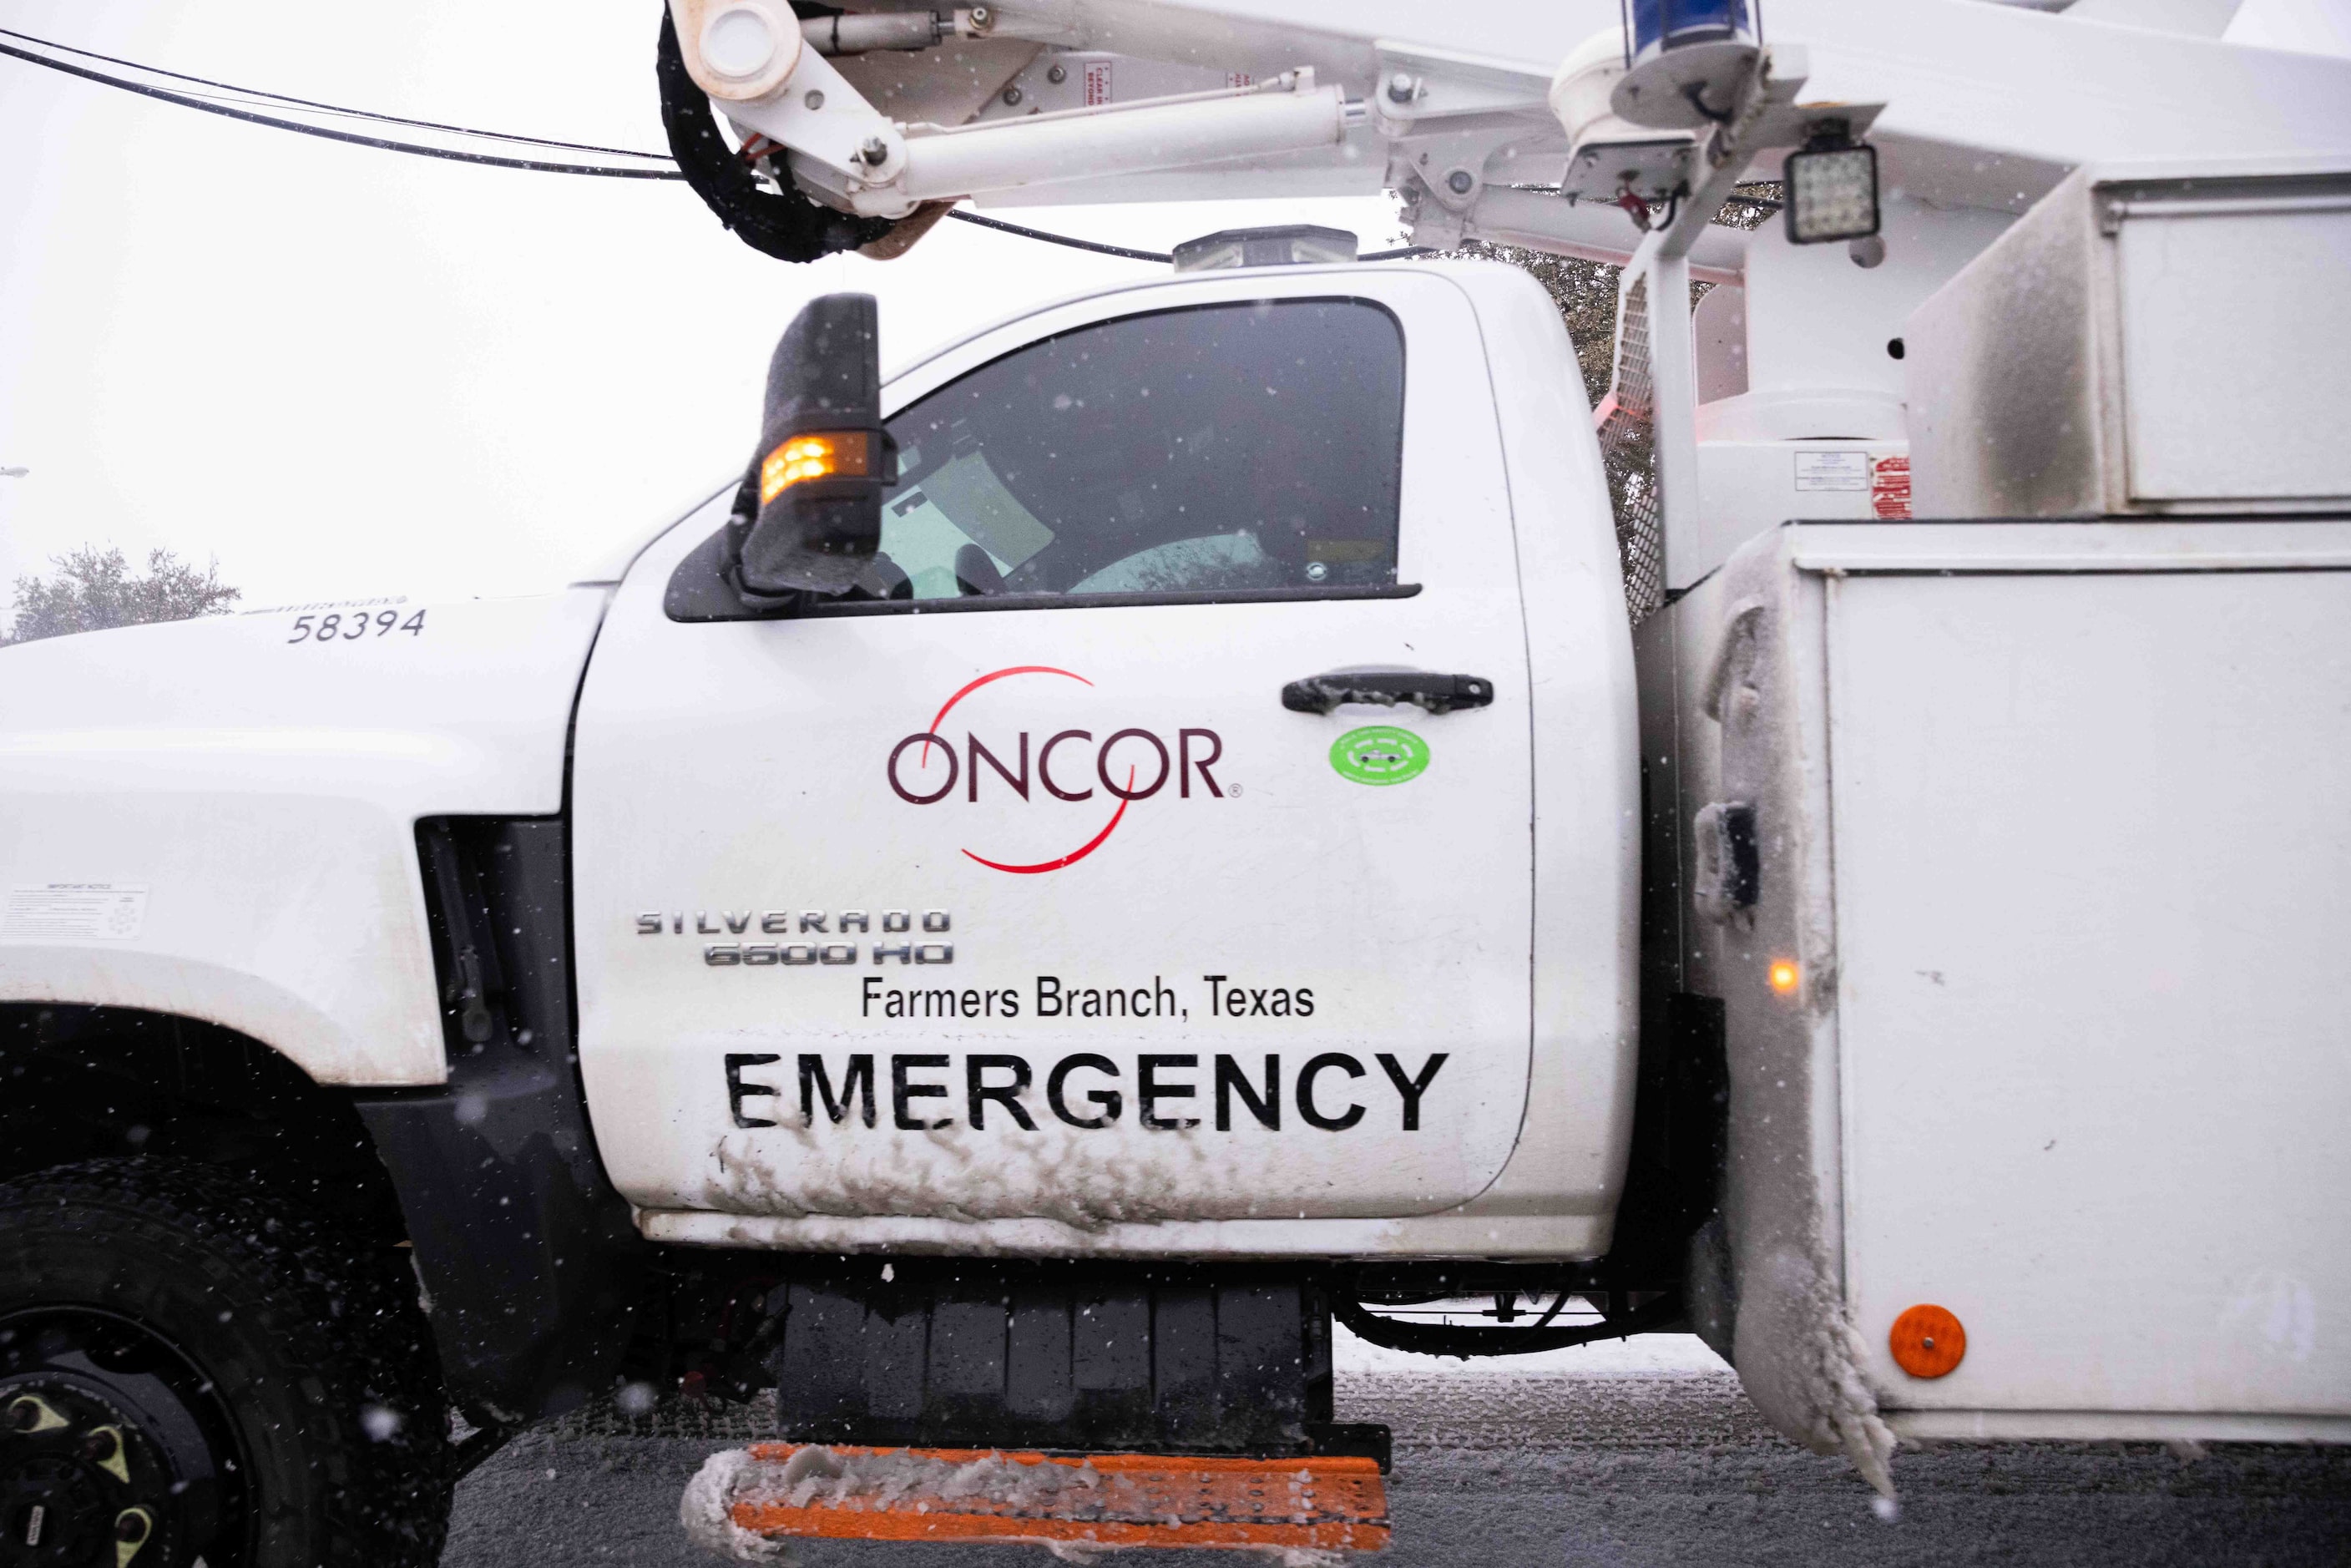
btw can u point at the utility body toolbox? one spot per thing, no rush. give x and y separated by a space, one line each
2017 1030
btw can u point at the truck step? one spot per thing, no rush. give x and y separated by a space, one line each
745 1500
1048 1354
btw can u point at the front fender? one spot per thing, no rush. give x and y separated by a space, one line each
212 820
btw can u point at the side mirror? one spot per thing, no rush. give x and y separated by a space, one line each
823 459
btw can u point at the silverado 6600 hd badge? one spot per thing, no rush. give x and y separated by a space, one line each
820 936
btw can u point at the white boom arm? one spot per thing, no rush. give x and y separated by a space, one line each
1062 100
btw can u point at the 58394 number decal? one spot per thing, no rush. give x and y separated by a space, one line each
339 626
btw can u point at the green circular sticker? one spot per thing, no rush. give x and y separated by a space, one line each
1380 754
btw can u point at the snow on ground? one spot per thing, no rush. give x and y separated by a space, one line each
1643 1355
1633 1454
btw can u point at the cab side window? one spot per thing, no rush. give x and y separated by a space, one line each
1251 448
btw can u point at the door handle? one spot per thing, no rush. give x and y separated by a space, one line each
1437 693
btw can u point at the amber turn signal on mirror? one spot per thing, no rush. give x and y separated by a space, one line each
824 454
823 461
1927 1341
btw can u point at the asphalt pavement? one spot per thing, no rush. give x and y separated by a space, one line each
1633 1455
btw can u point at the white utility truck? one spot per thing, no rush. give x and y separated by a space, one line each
1239 802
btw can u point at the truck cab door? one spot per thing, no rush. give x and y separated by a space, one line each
1081 870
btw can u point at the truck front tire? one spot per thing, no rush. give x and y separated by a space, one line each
191 1365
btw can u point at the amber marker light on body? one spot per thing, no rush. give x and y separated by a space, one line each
1785 976
1927 1341
846 454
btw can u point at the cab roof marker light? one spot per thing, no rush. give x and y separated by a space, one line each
1285 244
1785 976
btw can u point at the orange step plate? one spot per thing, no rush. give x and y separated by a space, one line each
784 1490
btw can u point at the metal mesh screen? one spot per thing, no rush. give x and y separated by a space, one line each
1628 449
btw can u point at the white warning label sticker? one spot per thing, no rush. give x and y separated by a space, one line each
1831 470
75 911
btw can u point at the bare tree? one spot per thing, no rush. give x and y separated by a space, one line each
95 589
1586 295
1585 291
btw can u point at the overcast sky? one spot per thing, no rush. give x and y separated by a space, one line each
343 371
346 372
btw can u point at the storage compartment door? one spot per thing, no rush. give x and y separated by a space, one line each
2094 884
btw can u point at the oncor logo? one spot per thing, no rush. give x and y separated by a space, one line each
1076 766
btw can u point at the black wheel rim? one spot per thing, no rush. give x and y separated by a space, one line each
115 1449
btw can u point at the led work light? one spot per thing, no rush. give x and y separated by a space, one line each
1832 189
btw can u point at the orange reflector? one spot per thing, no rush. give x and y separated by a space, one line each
1785 976
824 456
1927 1341
791 1490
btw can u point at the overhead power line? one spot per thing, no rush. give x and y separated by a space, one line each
264 93
420 150
1061 239
668 170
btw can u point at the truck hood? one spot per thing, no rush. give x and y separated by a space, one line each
468 702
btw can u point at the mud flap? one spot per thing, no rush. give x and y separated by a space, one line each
748 1503
530 1262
